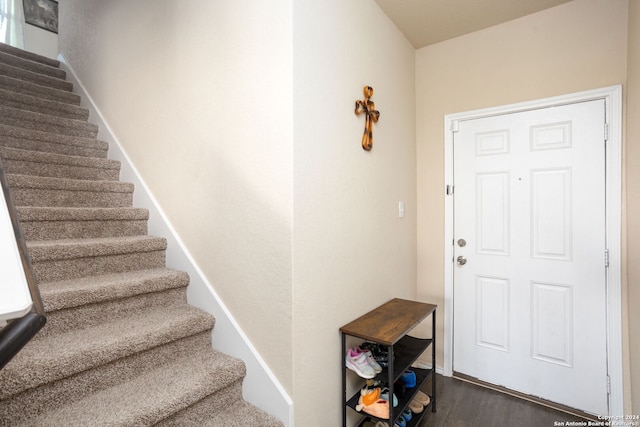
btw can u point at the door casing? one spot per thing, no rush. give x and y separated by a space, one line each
612 96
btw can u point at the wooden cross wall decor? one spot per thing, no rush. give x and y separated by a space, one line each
372 115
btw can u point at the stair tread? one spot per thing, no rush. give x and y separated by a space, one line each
34 103
47 119
33 66
61 355
57 159
240 414
45 182
43 250
40 136
44 213
16 85
94 289
29 55
34 77
152 396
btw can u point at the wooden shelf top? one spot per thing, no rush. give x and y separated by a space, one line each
389 322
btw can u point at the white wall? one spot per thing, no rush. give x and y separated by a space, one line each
40 41
351 251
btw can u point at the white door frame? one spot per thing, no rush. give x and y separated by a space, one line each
613 99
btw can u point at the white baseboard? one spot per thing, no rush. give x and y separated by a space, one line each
260 387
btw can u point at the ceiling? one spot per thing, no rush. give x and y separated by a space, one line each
424 22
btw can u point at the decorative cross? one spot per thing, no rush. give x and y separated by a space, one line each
367 107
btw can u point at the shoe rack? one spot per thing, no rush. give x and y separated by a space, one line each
389 326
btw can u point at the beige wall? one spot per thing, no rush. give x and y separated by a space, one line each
351 251
632 164
577 46
200 96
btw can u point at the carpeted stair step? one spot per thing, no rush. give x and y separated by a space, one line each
29 55
33 66
47 123
21 101
155 395
45 223
55 260
36 163
37 78
208 413
13 84
88 301
53 395
57 192
63 355
28 139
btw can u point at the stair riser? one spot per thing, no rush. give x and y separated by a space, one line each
30 141
69 198
31 77
56 394
78 130
202 410
64 269
42 92
60 321
23 167
32 66
44 107
55 230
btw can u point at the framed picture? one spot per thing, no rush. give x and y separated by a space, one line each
41 13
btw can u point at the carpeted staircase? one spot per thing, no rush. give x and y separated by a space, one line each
121 346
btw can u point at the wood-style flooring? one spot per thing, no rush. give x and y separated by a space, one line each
461 404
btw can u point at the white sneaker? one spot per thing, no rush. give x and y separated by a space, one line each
371 360
357 362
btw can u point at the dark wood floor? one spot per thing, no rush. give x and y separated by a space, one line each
461 404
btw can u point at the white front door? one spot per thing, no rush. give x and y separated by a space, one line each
529 227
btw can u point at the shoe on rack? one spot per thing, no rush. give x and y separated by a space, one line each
415 406
367 397
422 398
409 378
400 422
379 409
407 415
371 360
379 352
357 362
385 395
